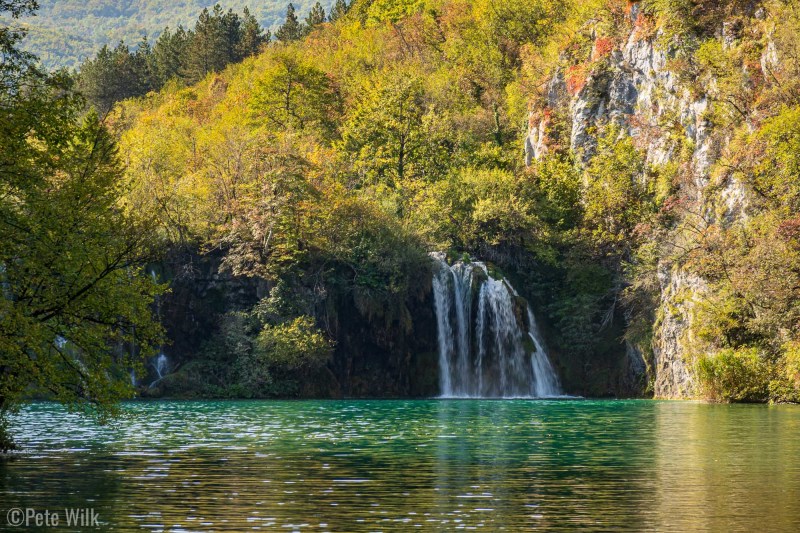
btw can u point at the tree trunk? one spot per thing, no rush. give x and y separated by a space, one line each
498 128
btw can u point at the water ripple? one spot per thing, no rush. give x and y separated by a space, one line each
429 465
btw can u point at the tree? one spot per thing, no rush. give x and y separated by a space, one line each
114 75
252 36
15 62
314 18
618 198
394 135
484 41
142 66
167 59
72 304
295 94
291 30
338 10
213 43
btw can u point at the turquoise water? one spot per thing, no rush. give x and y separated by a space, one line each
427 465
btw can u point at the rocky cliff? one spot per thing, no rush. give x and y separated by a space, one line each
630 79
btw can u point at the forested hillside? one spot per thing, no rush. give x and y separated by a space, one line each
334 163
630 167
64 33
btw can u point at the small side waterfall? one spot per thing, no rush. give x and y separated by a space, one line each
161 365
489 343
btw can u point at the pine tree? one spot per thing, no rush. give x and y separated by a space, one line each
251 36
199 57
338 10
168 57
142 66
231 29
291 30
114 75
212 44
314 18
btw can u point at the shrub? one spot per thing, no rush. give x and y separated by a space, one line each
785 387
733 375
293 345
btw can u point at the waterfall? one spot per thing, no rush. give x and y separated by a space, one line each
161 362
161 365
489 343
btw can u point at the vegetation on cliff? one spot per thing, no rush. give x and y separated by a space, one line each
330 163
415 112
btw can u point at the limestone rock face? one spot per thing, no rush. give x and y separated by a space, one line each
633 88
673 376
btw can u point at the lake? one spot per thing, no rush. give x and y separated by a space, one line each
427 465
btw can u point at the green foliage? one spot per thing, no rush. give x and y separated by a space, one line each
392 10
785 385
719 75
254 355
617 196
485 43
293 345
338 10
114 75
291 29
293 94
474 208
394 135
689 19
560 188
736 375
314 18
378 260
218 39
251 36
15 61
214 42
773 175
167 58
75 311
72 283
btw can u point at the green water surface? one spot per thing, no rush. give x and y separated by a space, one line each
429 465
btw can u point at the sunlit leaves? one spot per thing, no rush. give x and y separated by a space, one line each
293 94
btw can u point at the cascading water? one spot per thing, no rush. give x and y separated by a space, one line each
161 365
161 362
489 343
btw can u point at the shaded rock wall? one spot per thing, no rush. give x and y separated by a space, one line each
378 353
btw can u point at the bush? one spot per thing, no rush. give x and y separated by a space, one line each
248 358
785 387
734 375
294 345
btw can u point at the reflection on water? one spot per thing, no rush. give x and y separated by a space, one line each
430 465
